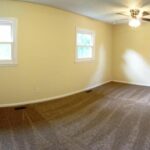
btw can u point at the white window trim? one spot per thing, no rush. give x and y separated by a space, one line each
93 47
12 62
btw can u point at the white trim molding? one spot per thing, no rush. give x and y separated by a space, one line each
51 98
132 83
67 94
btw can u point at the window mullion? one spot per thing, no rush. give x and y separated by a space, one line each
85 45
6 42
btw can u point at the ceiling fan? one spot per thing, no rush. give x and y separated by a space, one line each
136 17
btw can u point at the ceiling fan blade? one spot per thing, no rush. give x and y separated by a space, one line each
146 19
146 13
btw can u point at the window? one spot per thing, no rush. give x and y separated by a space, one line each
84 45
7 41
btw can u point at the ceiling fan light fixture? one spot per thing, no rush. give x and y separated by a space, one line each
134 22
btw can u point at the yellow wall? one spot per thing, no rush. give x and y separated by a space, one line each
131 54
46 54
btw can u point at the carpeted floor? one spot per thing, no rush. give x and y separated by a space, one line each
112 117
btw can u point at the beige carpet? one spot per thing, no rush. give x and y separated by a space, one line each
112 117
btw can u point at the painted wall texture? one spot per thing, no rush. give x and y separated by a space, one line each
46 54
131 54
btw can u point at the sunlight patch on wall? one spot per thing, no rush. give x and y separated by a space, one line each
136 67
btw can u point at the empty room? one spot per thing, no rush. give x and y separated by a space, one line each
74 75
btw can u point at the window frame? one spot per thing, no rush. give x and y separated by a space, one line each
13 42
86 31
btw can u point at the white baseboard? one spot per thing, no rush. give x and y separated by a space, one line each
51 98
132 83
67 94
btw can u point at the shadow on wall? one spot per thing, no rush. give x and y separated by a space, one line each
100 71
136 67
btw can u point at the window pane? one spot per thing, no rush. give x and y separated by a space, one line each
5 52
5 33
84 52
84 39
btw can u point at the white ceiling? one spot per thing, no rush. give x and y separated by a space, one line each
103 10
